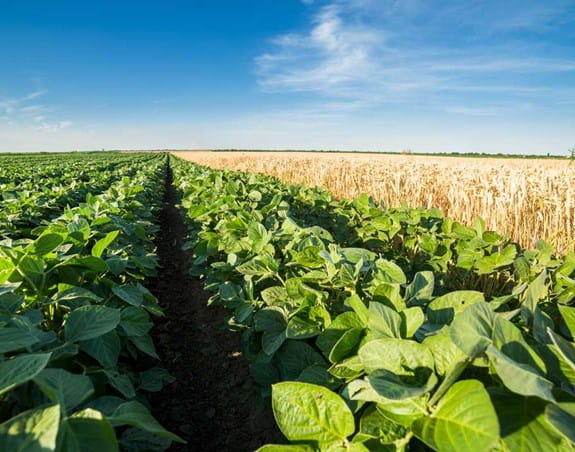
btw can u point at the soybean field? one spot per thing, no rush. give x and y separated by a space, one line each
152 303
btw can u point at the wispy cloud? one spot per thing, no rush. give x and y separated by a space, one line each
24 112
369 53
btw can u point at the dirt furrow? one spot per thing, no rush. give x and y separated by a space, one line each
211 404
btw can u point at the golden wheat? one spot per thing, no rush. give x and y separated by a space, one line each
530 199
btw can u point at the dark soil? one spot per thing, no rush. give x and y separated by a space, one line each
211 404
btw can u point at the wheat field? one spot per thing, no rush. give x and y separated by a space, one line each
528 198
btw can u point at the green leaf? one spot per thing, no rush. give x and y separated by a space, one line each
129 293
347 345
272 322
31 431
523 423
398 368
384 322
420 290
294 356
445 353
491 263
443 309
87 431
373 425
121 383
568 315
15 371
137 415
89 322
411 320
47 243
464 419
309 412
472 330
286 448
135 321
31 266
105 349
342 323
12 339
565 348
299 328
537 290
145 344
520 378
66 388
101 245
359 307
563 421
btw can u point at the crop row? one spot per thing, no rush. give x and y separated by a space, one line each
33 191
375 329
76 357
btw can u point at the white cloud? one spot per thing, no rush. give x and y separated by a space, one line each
22 111
370 53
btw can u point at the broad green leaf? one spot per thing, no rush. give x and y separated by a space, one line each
137 415
561 420
568 315
342 323
536 290
145 344
445 353
309 412
101 245
346 345
373 425
136 440
272 322
565 348
87 431
520 378
359 307
47 243
420 290
443 309
472 330
464 419
135 321
509 339
89 322
523 423
398 368
491 263
384 322
31 266
64 387
31 431
286 448
274 295
121 383
411 320
294 356
12 339
129 293
18 370
105 349
390 272
402 412
299 328
154 379
389 295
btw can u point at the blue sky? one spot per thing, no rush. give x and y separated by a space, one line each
425 75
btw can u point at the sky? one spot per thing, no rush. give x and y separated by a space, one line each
391 75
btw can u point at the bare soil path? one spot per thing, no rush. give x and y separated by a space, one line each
211 404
